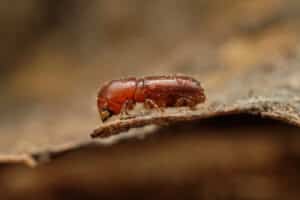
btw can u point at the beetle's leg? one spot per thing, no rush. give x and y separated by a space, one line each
149 103
184 101
127 105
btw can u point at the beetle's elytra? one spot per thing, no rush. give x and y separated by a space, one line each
119 96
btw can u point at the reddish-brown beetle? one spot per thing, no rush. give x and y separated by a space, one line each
118 96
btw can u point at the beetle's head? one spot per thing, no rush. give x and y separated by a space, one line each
103 109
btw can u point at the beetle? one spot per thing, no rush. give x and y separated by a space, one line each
119 96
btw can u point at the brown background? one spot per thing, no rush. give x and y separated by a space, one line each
54 55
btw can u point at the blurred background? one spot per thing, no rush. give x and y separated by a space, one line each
54 55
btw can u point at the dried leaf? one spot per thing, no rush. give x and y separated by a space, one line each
266 94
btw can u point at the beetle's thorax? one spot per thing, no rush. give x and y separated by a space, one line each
114 94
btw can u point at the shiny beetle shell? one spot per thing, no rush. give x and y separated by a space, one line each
155 91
